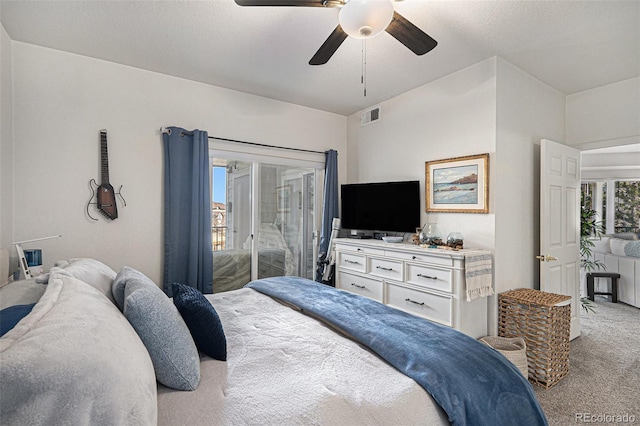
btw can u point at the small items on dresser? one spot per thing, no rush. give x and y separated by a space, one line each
455 240
415 238
431 236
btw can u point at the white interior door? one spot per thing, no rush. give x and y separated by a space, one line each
560 224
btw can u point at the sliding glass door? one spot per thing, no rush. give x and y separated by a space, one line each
264 221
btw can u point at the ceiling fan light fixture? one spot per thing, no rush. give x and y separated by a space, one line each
365 18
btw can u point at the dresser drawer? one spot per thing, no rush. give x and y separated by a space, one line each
363 286
432 306
386 268
422 256
352 261
426 276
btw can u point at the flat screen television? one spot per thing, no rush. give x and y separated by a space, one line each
381 206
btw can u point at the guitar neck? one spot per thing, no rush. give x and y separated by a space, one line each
104 157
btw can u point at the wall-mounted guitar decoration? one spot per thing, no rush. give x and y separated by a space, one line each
104 193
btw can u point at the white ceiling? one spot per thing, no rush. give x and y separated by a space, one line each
569 45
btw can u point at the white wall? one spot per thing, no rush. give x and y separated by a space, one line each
6 143
450 117
62 100
490 107
527 111
604 116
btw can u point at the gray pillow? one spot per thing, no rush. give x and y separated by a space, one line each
162 330
127 276
75 360
632 236
632 249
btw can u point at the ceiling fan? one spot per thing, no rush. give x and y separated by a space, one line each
360 19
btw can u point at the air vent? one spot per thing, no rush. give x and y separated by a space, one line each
370 116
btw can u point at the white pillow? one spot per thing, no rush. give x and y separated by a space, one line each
617 246
602 245
90 271
75 360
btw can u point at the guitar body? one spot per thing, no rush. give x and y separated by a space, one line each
106 194
107 201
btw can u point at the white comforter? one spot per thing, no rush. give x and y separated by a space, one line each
284 368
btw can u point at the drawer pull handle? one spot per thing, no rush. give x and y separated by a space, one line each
427 276
358 286
360 249
384 269
414 257
413 301
351 261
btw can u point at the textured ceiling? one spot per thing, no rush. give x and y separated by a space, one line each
569 45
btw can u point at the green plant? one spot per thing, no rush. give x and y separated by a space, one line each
590 228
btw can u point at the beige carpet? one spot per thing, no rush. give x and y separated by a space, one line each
604 372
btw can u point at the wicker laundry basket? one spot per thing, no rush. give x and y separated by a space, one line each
513 348
544 321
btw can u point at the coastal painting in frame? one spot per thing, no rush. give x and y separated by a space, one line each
458 185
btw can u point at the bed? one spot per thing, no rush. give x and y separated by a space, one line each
297 352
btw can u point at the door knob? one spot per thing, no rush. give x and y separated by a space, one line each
546 258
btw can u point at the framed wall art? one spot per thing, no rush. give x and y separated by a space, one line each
458 185
283 198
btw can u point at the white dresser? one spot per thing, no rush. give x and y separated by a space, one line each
426 282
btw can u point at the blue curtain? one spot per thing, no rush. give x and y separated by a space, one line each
330 204
187 210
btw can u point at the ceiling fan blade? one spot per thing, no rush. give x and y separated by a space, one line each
411 36
329 47
304 3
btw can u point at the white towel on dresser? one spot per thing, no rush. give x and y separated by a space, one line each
479 276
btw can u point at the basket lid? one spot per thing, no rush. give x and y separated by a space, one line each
531 296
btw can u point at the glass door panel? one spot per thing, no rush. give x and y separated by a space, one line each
286 215
231 224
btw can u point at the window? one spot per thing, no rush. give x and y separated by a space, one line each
627 207
619 210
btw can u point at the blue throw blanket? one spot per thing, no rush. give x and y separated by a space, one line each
474 384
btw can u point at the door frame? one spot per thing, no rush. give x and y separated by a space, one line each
257 158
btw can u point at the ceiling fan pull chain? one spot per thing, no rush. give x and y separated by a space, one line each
363 78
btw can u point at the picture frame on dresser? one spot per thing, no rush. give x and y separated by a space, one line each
458 185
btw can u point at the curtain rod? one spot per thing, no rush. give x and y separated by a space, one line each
168 131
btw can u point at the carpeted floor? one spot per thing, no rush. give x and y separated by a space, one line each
604 370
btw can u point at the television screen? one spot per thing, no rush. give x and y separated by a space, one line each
382 206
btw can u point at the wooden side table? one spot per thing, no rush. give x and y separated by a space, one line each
614 285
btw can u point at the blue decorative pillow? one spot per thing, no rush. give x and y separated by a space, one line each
162 330
632 249
12 315
202 319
